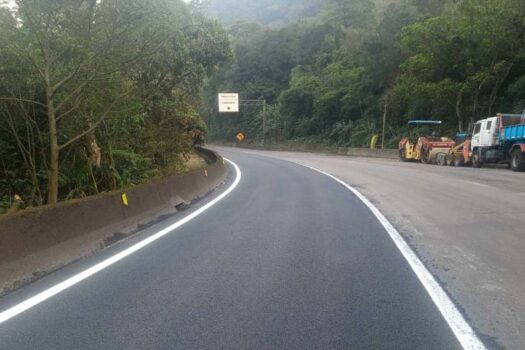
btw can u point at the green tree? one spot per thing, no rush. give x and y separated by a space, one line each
85 81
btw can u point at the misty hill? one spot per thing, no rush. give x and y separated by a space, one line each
274 13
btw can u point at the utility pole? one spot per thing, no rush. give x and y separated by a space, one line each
264 123
384 122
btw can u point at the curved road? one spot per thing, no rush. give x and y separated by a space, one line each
466 224
290 259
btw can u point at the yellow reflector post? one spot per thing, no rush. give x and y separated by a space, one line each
373 141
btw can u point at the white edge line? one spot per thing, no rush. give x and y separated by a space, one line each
70 282
455 320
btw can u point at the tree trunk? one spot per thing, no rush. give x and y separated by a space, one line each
110 158
28 154
495 90
94 152
54 149
459 100
476 100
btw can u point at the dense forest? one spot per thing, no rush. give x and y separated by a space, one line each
96 95
331 77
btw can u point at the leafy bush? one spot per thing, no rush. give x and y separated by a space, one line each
132 168
4 204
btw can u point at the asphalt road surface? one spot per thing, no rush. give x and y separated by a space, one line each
290 259
467 225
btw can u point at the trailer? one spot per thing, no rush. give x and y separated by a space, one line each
499 140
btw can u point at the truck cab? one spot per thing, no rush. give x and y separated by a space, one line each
499 140
486 132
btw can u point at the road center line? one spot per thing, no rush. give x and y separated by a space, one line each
70 282
455 320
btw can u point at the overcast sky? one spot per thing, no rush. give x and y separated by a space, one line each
9 2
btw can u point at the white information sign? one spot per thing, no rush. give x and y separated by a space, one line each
228 103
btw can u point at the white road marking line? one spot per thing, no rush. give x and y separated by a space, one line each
475 183
70 282
457 323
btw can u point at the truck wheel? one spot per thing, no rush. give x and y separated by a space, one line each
476 160
450 159
517 160
425 156
402 155
441 159
459 161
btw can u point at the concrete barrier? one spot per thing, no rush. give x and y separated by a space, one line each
37 231
372 153
325 149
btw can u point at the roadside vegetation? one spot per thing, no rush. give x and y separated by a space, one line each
97 95
331 77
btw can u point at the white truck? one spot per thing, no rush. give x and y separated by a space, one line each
499 140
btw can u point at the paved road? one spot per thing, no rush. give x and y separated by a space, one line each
467 225
289 260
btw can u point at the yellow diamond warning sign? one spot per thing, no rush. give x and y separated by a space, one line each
240 137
